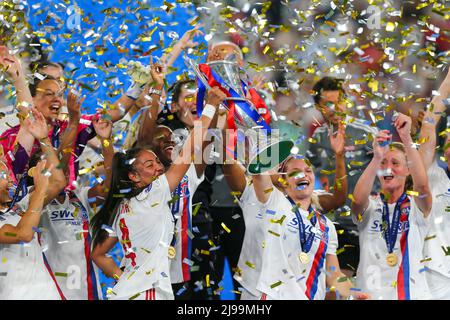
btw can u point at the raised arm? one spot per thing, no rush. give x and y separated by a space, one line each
74 102
148 125
185 42
365 183
13 67
103 128
337 199
38 128
415 165
181 164
25 229
431 119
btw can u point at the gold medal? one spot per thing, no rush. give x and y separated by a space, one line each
172 252
304 258
391 259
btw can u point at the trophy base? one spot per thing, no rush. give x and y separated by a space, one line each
265 159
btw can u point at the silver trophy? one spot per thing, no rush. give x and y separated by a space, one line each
257 149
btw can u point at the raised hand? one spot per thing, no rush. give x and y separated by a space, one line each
380 145
36 125
186 40
215 96
10 63
157 72
103 128
74 102
337 139
403 126
258 81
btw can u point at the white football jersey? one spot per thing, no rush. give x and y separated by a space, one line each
66 242
250 259
406 280
283 275
24 274
145 227
181 208
437 243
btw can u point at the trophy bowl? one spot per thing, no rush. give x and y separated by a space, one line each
260 149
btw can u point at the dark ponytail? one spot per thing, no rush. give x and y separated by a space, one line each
121 187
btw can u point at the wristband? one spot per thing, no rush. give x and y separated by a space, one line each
155 91
209 111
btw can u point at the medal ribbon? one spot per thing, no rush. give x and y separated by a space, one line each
305 243
403 203
92 290
319 258
186 225
391 230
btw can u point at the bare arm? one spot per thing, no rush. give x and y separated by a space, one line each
25 229
14 68
337 280
181 164
185 42
103 128
235 175
365 182
147 128
105 263
70 134
415 164
427 149
337 199
431 119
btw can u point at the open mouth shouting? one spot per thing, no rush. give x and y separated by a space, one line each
54 108
168 149
302 184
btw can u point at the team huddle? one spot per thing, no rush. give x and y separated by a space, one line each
152 196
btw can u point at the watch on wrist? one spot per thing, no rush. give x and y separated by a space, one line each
155 91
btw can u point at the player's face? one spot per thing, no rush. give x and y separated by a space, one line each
163 144
447 148
49 98
147 168
6 183
187 105
299 178
394 170
330 103
228 52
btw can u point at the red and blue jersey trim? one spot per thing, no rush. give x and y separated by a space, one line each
319 259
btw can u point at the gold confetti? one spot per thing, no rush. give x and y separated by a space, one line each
280 221
274 233
225 227
412 193
268 190
251 265
276 284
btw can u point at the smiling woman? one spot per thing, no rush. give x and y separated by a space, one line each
393 252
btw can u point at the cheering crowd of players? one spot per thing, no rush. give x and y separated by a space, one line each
57 227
